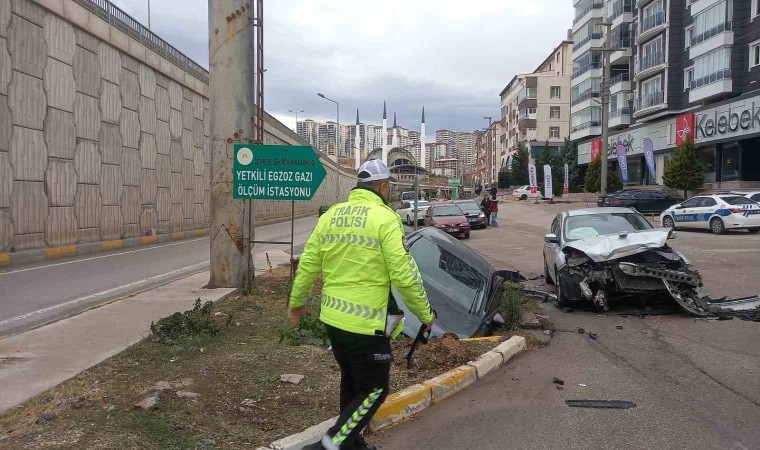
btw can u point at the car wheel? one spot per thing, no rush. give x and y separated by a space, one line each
524 197
717 226
467 235
753 230
668 222
547 277
409 221
562 300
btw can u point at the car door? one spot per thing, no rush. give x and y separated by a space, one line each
686 215
551 250
704 211
662 202
428 220
404 211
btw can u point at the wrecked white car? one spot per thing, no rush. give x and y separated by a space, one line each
603 254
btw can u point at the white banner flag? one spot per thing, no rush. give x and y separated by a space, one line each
566 190
533 178
548 188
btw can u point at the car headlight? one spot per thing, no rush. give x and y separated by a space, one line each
482 215
439 225
465 224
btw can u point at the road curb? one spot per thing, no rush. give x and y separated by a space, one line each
46 254
406 403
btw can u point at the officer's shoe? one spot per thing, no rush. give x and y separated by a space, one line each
361 444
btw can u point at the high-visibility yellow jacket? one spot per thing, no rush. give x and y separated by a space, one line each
359 248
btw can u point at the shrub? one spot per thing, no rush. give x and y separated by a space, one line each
193 323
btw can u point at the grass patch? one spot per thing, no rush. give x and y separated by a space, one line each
241 403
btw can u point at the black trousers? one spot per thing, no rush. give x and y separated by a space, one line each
364 385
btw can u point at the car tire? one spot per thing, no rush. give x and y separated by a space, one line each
717 226
753 230
562 300
547 277
467 235
524 197
409 221
668 222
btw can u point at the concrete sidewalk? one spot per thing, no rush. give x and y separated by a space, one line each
37 360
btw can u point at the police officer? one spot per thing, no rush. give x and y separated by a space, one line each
358 246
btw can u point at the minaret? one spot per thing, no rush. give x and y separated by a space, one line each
394 142
358 143
423 149
385 136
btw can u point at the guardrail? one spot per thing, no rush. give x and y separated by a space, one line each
134 29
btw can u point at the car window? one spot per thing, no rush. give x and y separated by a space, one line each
626 194
406 205
469 207
707 202
583 227
447 211
555 226
644 195
660 195
737 200
756 197
449 274
692 202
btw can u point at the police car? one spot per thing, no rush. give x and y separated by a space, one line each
717 213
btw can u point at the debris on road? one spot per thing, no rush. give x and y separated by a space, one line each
556 380
619 327
187 394
612 404
45 417
147 403
291 378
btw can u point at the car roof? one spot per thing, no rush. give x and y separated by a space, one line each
595 211
467 200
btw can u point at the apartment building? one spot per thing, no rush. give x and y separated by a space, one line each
535 107
690 68
488 145
465 148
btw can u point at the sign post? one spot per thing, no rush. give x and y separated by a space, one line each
276 172
548 186
454 183
533 179
566 188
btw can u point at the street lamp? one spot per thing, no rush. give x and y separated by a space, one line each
296 112
337 144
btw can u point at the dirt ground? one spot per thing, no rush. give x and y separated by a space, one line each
219 392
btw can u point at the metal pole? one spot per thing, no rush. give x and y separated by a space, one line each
416 197
605 106
337 151
149 15
292 234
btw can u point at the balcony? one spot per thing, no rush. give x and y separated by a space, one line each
650 26
621 82
623 56
578 46
649 103
649 64
620 117
718 36
596 4
577 73
619 8
591 128
527 94
585 95
716 84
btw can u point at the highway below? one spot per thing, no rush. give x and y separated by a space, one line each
44 292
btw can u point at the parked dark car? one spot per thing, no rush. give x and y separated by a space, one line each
474 214
463 288
645 201
448 218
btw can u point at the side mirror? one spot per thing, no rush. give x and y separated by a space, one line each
499 320
672 234
551 238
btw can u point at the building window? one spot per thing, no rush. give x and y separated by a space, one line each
554 132
712 67
755 8
689 33
754 54
555 92
557 57
688 77
554 112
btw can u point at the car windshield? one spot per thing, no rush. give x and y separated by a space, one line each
587 226
448 276
737 200
469 207
447 211
420 203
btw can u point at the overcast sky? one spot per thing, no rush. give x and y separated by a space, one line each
454 57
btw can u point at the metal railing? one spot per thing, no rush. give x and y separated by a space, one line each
587 9
650 100
620 7
586 68
617 79
651 21
585 125
586 40
650 60
711 78
712 32
585 95
621 40
134 29
620 112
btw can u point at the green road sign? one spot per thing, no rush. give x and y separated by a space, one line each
276 172
454 182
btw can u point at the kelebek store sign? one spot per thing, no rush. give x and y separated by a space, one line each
684 128
735 119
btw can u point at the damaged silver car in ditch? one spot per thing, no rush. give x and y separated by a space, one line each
604 254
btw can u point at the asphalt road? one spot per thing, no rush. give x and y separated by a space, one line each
40 293
696 383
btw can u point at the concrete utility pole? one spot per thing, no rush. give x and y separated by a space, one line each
605 104
231 94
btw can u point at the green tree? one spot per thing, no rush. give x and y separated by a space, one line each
684 171
569 155
518 170
594 178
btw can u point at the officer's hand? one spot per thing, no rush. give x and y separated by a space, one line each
295 314
429 325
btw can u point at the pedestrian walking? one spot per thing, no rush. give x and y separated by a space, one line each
494 191
485 206
478 189
358 246
494 209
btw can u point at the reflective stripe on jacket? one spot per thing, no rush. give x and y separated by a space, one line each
358 246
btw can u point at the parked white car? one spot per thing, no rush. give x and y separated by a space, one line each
407 211
523 193
716 213
754 196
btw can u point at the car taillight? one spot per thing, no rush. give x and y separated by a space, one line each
616 202
738 211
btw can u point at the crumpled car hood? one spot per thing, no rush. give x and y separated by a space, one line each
609 247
